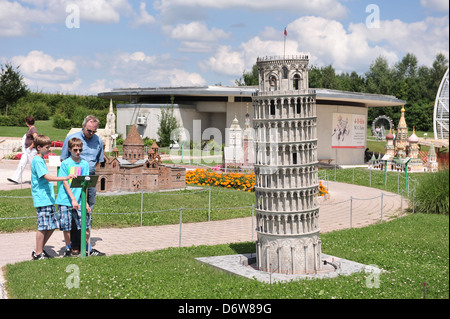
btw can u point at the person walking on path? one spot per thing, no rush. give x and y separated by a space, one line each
93 154
28 150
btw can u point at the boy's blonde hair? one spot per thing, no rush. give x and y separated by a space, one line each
41 140
75 142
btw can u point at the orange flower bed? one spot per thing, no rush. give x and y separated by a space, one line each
322 189
244 182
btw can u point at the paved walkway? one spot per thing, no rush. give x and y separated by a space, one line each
335 214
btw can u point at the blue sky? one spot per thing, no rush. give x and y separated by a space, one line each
92 46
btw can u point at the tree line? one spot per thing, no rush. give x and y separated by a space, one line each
67 111
406 80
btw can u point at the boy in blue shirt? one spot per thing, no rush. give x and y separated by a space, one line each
43 196
69 199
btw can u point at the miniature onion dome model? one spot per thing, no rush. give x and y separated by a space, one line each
413 138
390 136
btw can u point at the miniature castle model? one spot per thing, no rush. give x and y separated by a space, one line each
402 150
135 171
286 186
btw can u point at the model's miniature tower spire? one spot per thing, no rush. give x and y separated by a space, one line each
287 209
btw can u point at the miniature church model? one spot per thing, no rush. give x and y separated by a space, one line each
286 185
402 151
136 171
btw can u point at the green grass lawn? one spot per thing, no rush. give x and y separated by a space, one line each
110 210
412 250
43 127
124 211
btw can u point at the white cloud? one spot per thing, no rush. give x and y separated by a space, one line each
98 86
437 5
328 42
43 72
139 69
19 17
196 31
225 61
195 36
143 18
425 39
327 8
15 19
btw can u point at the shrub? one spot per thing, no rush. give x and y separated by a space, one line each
432 193
38 109
9 121
61 122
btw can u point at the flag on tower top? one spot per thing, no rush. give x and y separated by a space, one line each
285 32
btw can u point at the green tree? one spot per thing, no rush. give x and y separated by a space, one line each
167 124
250 78
379 78
12 87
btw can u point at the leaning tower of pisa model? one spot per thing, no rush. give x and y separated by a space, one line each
287 210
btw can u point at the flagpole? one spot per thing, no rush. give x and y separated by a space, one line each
284 52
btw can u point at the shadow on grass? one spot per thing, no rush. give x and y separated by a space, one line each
243 248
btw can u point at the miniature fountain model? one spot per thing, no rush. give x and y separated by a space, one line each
286 186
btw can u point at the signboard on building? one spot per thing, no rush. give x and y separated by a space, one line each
348 130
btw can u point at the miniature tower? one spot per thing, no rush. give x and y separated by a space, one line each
432 164
413 152
233 153
401 140
133 146
287 209
110 129
389 149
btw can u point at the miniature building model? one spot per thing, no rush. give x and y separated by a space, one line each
240 149
286 185
234 153
401 150
135 171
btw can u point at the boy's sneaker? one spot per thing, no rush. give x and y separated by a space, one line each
44 253
38 257
68 252
95 252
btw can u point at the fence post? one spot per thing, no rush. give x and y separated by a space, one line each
142 204
381 219
351 208
209 204
181 221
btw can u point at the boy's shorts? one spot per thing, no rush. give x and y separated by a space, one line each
77 218
46 218
65 217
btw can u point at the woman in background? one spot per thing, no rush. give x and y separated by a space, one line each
28 150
